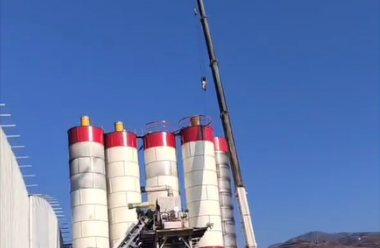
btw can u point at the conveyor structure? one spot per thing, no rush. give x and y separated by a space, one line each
162 229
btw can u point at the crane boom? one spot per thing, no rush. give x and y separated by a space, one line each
241 193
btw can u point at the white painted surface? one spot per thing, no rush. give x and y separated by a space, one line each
88 196
161 169
202 191
44 226
23 220
249 233
123 177
14 202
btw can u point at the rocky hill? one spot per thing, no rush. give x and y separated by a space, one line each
332 240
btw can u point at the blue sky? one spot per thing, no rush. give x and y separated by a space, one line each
301 78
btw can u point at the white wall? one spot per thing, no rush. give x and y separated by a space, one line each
14 202
22 218
44 226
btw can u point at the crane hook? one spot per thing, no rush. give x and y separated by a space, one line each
204 83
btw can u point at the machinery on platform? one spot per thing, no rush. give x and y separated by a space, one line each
157 228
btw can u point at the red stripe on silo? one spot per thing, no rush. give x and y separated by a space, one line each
115 139
159 139
197 133
220 144
85 134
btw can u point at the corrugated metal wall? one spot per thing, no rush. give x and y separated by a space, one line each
14 202
44 226
23 218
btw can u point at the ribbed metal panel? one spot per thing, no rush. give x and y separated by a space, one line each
25 221
14 202
44 226
225 196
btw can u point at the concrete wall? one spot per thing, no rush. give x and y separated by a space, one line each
27 222
44 226
14 201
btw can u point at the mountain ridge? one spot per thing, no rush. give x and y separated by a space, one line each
332 240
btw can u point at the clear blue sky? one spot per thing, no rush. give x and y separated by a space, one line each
301 78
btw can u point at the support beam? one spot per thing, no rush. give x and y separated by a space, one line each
7 125
13 136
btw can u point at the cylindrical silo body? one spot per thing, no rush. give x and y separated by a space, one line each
123 178
88 186
160 159
225 193
201 183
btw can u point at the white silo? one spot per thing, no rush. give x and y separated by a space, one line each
160 161
123 178
88 186
225 192
201 183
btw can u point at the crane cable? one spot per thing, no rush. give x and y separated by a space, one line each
202 62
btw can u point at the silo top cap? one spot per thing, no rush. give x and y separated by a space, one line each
119 126
195 121
85 121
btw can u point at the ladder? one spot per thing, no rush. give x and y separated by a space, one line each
131 239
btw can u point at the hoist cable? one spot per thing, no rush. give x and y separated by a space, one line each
200 43
204 102
202 59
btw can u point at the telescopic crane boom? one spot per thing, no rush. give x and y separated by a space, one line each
241 193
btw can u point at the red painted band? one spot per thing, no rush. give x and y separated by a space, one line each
85 134
159 139
220 144
115 139
197 133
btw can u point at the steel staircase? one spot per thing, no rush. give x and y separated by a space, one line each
132 237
